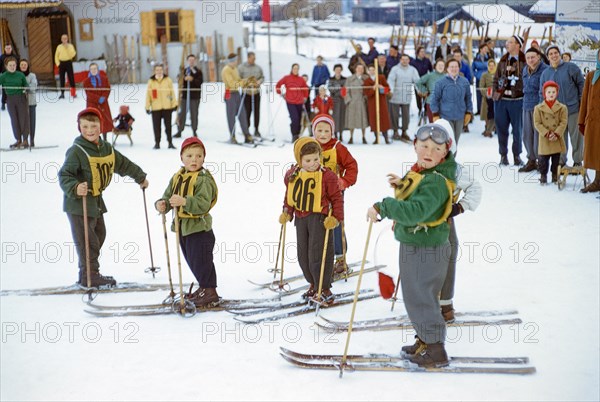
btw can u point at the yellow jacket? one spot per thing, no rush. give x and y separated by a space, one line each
553 119
160 94
64 53
231 78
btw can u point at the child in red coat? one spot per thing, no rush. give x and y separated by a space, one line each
323 104
314 198
337 158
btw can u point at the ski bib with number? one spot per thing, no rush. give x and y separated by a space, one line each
102 168
304 193
183 185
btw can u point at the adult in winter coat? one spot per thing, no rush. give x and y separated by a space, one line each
570 79
15 83
63 58
479 67
393 58
31 100
97 93
487 105
443 50
190 93
402 79
373 53
589 125
320 75
423 65
253 74
531 97
337 91
451 99
426 84
161 103
296 94
233 101
356 103
508 98
371 90
358 58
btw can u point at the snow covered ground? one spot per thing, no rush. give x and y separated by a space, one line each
527 247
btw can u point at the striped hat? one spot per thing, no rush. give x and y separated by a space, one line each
323 118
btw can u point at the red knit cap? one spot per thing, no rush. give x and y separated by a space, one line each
192 141
550 84
323 117
88 110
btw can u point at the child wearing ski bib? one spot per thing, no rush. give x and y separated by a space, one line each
420 207
194 190
314 198
338 159
88 169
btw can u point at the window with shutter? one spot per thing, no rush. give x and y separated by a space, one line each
177 25
167 23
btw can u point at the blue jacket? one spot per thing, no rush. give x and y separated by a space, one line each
466 70
392 61
451 99
531 86
320 75
480 65
570 81
371 56
423 66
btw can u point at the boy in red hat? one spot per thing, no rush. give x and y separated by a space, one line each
314 198
550 120
338 159
194 191
88 169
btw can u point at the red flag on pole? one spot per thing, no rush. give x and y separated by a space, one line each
266 11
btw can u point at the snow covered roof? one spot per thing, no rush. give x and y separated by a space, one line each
29 3
495 13
544 7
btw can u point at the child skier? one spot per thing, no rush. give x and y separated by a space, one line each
314 198
323 104
124 120
422 203
194 190
550 120
88 169
337 158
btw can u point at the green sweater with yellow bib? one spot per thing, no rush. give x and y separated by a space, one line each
423 203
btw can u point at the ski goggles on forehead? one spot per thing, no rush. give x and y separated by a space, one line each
436 133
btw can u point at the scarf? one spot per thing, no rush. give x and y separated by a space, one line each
597 72
550 103
95 80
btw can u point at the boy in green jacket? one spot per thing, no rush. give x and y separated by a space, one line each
194 191
420 208
87 171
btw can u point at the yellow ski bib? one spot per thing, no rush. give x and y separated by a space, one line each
102 168
304 193
330 159
183 185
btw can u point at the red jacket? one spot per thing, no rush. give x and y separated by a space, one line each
296 90
93 95
323 105
330 195
347 166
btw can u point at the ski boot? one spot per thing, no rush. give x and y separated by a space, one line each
327 298
448 313
340 267
309 293
503 160
205 298
430 356
396 136
411 350
593 187
16 145
97 281
405 138
543 180
530 166
518 161
248 139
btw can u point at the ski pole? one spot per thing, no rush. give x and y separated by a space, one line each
360 275
187 104
152 269
275 270
86 239
237 116
322 275
344 251
171 297
281 284
396 293
186 307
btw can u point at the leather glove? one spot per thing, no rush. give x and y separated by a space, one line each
436 117
284 218
148 111
467 118
456 210
330 223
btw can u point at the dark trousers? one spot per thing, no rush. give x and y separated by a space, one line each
32 109
396 110
18 110
448 287
310 235
234 109
478 95
252 109
509 113
3 96
157 116
194 106
429 112
420 103
66 67
97 234
198 252
544 162
296 117
339 238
